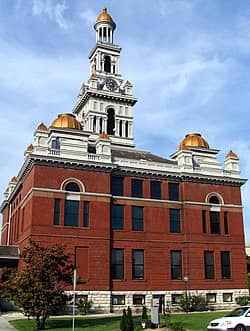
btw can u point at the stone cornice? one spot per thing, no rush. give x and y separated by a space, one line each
126 99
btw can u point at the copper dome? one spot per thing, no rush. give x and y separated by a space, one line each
67 121
193 140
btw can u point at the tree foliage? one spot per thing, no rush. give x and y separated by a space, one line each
38 288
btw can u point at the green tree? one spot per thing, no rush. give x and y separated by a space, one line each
130 320
38 288
124 321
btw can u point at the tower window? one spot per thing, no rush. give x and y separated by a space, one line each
173 191
111 121
215 222
209 264
71 212
120 128
176 265
72 186
126 129
214 199
107 63
225 265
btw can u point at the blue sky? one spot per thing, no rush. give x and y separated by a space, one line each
189 62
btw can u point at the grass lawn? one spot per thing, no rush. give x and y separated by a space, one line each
192 321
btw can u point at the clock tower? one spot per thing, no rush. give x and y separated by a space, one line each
105 102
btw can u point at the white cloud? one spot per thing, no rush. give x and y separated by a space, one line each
54 11
89 16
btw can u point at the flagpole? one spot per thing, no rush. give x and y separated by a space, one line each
74 300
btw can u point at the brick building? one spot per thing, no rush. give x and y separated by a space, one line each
138 226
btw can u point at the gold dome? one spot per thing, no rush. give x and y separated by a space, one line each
29 148
231 154
13 180
42 127
104 16
67 121
193 140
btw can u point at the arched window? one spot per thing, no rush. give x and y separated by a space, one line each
72 187
107 63
111 121
214 199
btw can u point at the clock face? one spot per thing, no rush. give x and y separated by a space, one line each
111 84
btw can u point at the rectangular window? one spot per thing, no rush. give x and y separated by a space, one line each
155 190
215 222
174 217
204 221
173 191
117 185
209 264
137 218
176 265
225 265
226 222
138 264
176 299
117 214
211 297
117 263
137 188
118 300
138 299
85 214
56 211
71 211
227 297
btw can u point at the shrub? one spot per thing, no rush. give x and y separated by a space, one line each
242 300
124 321
84 306
130 320
193 303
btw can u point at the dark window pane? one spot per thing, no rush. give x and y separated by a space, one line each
174 216
117 263
138 264
137 218
176 265
85 214
117 186
138 299
137 188
155 189
118 300
117 213
55 144
73 187
71 210
204 221
209 264
226 222
56 211
214 200
225 265
215 222
173 191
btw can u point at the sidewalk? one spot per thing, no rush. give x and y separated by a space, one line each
5 325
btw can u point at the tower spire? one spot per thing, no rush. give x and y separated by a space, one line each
104 27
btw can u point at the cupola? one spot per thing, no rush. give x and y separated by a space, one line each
193 140
66 121
104 27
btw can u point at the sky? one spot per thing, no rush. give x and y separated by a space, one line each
188 60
